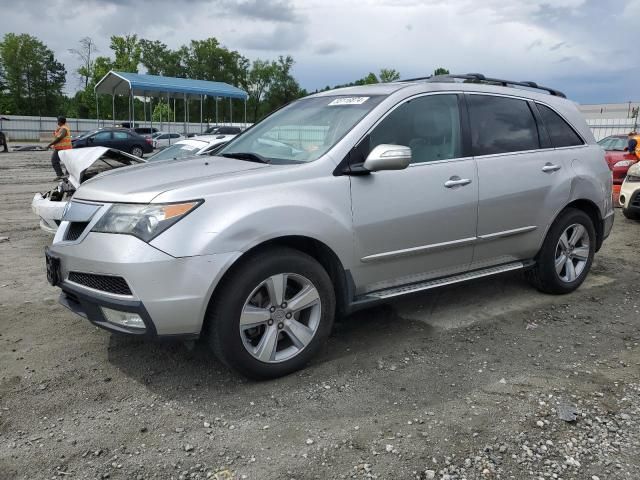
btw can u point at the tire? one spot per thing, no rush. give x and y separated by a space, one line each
137 151
544 275
630 215
247 291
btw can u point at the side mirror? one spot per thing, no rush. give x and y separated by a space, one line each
91 139
626 149
388 157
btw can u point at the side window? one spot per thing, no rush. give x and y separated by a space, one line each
120 135
562 135
102 136
175 135
163 136
501 125
429 125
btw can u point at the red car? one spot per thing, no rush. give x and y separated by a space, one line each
617 158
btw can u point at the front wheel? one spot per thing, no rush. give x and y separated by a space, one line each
566 254
272 313
137 151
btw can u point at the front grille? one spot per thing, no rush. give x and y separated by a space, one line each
74 230
635 202
104 283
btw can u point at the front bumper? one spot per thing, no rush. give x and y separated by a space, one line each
170 294
630 196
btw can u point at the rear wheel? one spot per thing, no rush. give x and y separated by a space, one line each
272 314
137 151
566 254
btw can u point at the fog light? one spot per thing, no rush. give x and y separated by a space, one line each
622 199
124 319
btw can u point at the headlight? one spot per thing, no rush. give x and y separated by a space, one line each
623 163
632 178
143 221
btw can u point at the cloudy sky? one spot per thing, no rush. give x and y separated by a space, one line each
588 48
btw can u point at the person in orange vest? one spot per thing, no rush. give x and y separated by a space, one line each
61 141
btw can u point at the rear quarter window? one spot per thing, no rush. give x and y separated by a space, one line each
560 132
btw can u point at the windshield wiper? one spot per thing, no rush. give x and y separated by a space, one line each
251 157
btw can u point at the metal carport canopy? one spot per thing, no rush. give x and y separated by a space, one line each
125 83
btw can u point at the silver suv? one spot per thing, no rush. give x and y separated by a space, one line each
336 202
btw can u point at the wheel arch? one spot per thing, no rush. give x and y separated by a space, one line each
592 210
316 249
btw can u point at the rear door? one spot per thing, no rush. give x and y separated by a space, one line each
523 181
417 223
122 141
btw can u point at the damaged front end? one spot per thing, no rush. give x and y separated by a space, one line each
49 206
81 165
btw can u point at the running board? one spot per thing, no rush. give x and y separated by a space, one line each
440 282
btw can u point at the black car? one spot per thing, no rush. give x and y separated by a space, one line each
119 138
216 130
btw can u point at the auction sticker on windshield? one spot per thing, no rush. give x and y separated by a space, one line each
348 101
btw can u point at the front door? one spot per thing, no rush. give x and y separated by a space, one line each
417 223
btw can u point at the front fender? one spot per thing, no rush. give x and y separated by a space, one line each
318 208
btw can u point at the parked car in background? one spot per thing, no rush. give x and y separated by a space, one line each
144 131
164 139
219 130
630 193
117 138
338 201
81 165
201 145
617 157
77 135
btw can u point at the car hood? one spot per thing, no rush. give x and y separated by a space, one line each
634 170
78 161
142 183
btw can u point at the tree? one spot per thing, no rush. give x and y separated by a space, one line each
261 77
85 54
127 51
284 88
159 59
32 78
441 71
389 75
162 113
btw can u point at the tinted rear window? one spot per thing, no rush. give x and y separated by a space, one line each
561 133
501 125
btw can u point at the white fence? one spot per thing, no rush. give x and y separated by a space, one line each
20 128
603 127
33 128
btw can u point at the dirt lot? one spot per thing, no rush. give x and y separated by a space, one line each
466 382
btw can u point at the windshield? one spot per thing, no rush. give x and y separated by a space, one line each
178 150
302 131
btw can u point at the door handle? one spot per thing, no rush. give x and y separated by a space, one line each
550 167
456 182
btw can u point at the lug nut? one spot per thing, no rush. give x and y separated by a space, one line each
269 322
288 315
284 305
281 325
272 309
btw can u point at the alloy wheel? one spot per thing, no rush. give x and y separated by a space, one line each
572 253
280 317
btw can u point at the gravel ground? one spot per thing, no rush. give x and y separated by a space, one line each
480 381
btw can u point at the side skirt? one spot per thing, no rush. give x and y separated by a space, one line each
380 296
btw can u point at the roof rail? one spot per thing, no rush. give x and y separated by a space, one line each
480 78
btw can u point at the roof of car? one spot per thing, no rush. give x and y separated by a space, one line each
452 82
